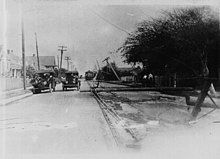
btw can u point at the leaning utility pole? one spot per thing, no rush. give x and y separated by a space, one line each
23 52
106 59
38 61
67 58
61 52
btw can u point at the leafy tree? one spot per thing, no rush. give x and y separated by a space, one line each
184 41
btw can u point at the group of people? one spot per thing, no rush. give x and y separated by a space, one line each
148 80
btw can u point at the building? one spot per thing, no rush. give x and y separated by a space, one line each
128 74
10 64
46 62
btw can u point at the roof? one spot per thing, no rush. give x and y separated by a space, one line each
45 71
128 71
125 69
1 46
89 71
74 72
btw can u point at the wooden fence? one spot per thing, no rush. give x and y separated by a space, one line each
7 83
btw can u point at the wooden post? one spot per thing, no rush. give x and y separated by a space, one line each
23 53
61 51
67 58
201 98
38 61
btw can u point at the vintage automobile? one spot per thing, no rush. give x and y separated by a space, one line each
89 75
71 80
43 80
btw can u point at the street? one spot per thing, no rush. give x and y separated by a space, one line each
62 122
71 124
109 79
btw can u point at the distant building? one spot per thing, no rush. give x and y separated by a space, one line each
10 64
128 74
46 62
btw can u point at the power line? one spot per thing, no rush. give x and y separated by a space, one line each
107 21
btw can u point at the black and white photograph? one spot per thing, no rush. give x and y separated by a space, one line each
102 79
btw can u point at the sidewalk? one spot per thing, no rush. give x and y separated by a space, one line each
7 97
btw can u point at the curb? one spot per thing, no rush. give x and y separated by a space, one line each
18 89
13 99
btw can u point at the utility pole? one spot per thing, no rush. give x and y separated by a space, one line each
106 59
71 66
98 73
67 58
38 61
58 61
23 51
61 51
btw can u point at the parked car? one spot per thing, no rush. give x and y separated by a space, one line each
43 80
71 80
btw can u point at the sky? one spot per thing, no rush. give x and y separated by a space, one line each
89 30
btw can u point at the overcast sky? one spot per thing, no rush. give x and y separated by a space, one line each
78 26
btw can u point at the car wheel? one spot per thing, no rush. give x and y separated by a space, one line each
37 91
34 92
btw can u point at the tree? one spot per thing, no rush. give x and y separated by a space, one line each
184 41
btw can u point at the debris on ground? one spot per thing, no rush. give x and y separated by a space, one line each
146 110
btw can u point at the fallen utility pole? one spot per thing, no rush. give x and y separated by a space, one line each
201 98
38 61
122 89
61 52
